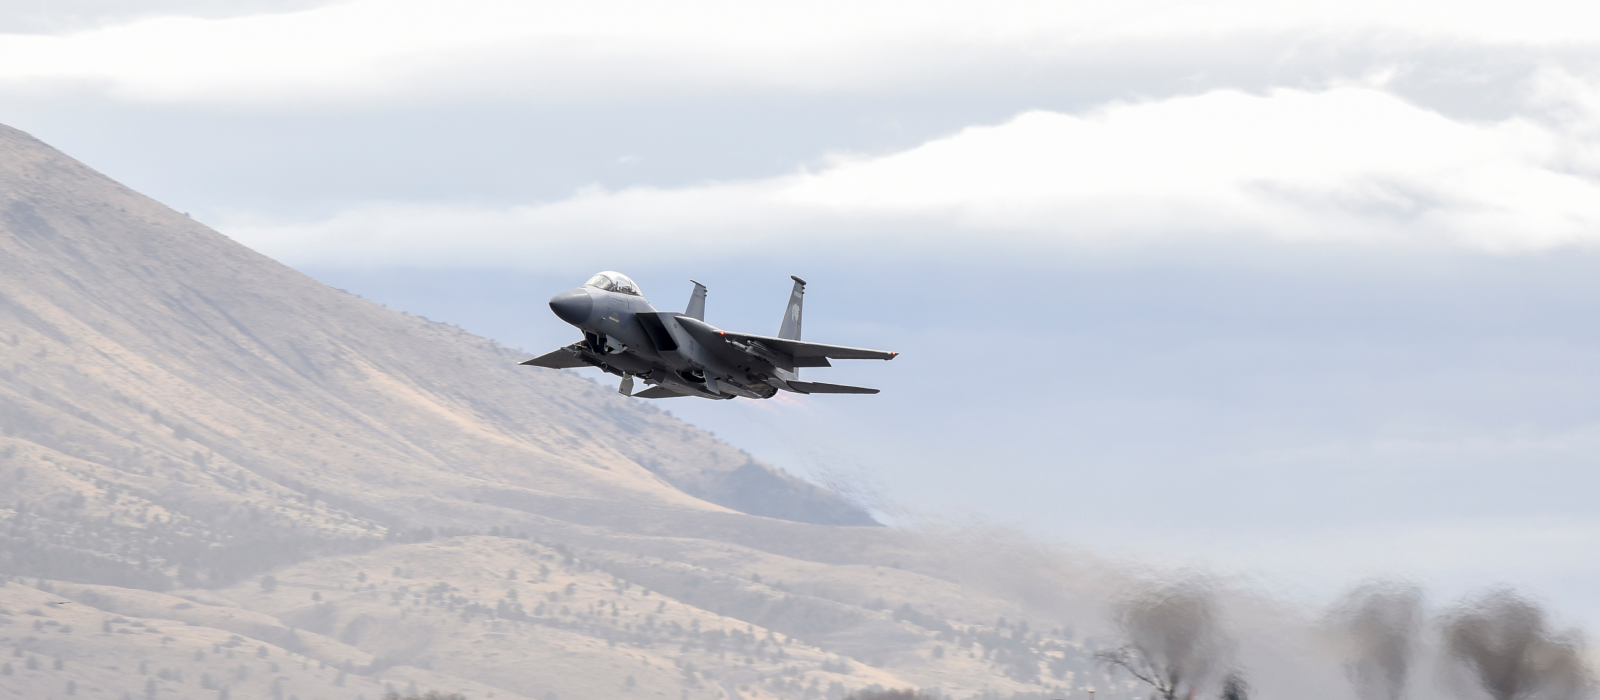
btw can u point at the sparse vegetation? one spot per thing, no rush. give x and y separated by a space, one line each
892 694
430 695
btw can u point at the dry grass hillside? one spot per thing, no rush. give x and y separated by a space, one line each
222 479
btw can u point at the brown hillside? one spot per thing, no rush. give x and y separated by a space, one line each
136 338
183 417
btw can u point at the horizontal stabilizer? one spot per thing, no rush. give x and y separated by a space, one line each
658 392
557 359
820 388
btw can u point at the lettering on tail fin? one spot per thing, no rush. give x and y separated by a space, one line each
790 330
697 303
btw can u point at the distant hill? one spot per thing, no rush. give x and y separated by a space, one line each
183 418
138 342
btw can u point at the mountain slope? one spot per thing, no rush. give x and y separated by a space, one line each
185 423
136 338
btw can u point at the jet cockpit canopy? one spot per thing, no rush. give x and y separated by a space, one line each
613 282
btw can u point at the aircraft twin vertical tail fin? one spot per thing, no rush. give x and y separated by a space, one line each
790 330
697 303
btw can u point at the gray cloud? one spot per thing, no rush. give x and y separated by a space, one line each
418 52
64 16
1353 163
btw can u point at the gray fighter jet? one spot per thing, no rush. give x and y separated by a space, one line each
681 354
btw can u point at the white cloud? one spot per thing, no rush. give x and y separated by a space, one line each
1350 164
424 49
62 16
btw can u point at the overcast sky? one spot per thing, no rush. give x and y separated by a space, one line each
1305 291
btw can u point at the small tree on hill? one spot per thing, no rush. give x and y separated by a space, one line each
1505 640
1234 687
1174 641
1380 622
890 694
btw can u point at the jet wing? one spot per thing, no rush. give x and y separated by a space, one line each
561 358
800 350
709 336
804 354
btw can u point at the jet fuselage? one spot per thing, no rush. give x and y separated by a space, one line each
682 355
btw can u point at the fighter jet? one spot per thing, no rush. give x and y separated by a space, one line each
682 355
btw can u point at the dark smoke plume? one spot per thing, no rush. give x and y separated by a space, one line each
1505 640
1174 641
1382 622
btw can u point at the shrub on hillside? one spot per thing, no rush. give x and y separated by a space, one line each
875 693
430 695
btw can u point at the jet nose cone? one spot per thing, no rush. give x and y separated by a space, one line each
573 305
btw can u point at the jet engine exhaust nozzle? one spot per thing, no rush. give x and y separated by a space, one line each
573 306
